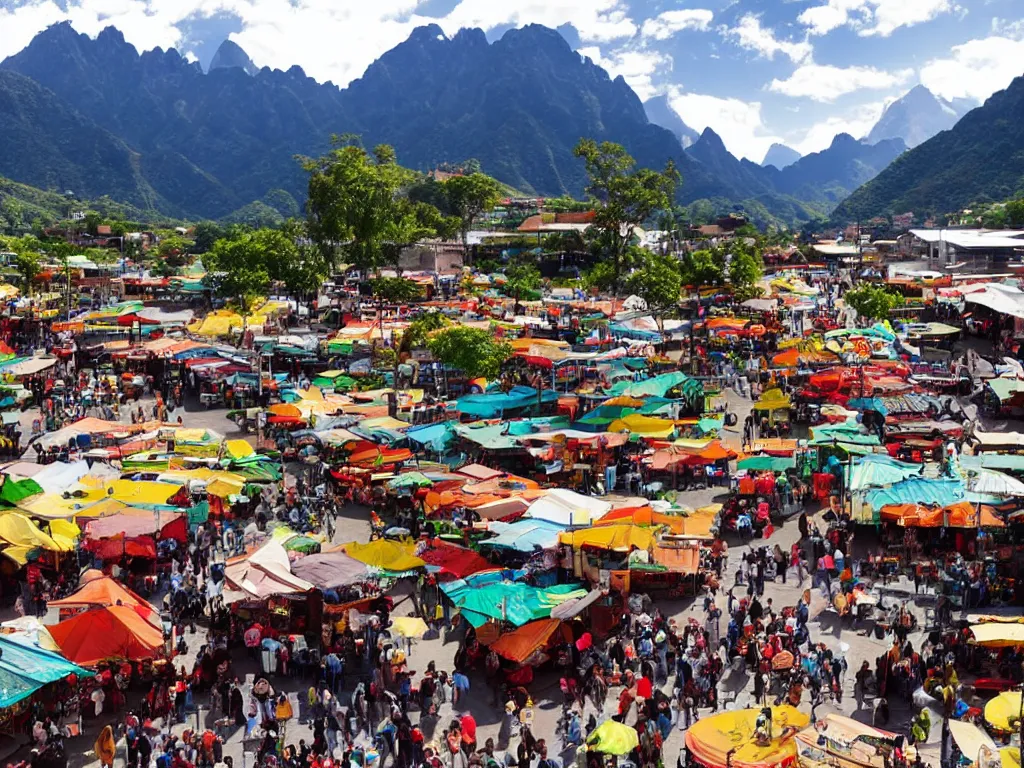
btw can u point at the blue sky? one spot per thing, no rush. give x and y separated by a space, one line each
756 71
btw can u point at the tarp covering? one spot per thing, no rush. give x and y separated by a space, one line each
265 573
330 570
568 508
105 592
13 491
711 738
875 471
516 603
520 644
129 525
998 635
917 490
384 554
960 514
18 531
25 669
643 426
618 538
970 739
1003 712
613 738
238 449
116 632
453 559
493 404
524 535
770 463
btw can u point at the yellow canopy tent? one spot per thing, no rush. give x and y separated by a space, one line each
18 531
238 449
613 738
65 533
409 626
998 635
384 554
643 426
1003 712
618 538
728 738
773 400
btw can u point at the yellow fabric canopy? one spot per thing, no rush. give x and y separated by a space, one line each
998 635
970 739
134 493
65 533
18 531
223 487
773 400
409 626
644 426
1003 712
619 538
710 739
384 554
238 449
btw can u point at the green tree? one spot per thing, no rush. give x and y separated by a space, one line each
994 218
601 276
206 233
13 213
407 225
1015 213
745 272
658 282
468 197
624 196
352 201
418 333
872 302
395 290
703 267
521 278
238 269
28 267
474 351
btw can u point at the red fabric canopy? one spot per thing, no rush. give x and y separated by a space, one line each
116 632
453 559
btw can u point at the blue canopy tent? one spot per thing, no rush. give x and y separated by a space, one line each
25 669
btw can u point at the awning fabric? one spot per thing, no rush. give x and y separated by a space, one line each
329 570
384 554
711 738
617 538
115 632
520 644
453 559
25 669
105 592
998 635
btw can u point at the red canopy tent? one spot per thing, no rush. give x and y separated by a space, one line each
114 632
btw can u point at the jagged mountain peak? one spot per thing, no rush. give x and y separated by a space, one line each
660 111
230 55
780 156
915 117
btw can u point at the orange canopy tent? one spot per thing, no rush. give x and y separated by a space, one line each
115 632
105 592
644 516
522 643
962 514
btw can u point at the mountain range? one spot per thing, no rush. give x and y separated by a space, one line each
95 117
918 116
980 159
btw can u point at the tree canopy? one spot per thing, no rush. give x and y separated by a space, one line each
872 302
624 196
657 281
474 351
468 197
745 272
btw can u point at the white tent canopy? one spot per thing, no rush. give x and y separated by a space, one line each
568 508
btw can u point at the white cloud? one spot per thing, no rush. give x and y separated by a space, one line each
976 69
873 17
637 67
665 25
858 124
596 20
738 122
751 35
826 83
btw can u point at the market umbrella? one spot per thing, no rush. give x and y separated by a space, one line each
409 626
410 480
285 409
613 738
1003 712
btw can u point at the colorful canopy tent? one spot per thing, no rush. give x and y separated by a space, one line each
330 570
524 535
959 514
613 738
876 471
616 538
520 644
568 508
265 573
409 626
22 536
24 669
643 426
516 603
453 559
384 554
492 405
773 400
114 632
1003 711
998 635
106 592
711 739
644 516
970 739
130 524
766 463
